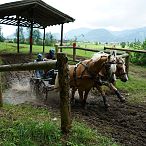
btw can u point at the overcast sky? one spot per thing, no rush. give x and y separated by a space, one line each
109 14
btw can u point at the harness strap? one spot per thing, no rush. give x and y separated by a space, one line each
86 66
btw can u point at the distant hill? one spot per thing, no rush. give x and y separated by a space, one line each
103 35
79 33
99 35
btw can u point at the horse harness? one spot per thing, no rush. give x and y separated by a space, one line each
86 68
92 75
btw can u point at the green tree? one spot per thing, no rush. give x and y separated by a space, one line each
136 57
37 37
49 40
123 44
1 35
143 55
21 35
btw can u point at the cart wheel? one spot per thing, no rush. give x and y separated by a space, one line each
32 85
42 89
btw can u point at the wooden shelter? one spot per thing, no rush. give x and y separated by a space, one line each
33 14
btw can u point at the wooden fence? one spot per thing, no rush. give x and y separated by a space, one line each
63 74
123 55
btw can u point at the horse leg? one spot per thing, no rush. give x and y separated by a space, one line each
85 97
99 88
112 87
81 98
73 95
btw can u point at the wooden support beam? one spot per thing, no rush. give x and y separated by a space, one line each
31 38
63 75
61 41
44 41
1 98
18 35
51 64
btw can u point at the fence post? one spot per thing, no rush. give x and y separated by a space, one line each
1 98
74 52
127 59
63 75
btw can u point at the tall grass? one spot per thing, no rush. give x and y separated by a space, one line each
25 125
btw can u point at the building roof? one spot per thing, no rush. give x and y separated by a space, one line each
28 11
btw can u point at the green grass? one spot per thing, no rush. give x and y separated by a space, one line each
25 125
24 48
136 85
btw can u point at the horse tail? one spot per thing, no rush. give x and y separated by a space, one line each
56 86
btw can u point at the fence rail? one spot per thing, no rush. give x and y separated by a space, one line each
59 48
125 55
125 49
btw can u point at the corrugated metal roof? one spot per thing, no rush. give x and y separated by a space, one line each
39 12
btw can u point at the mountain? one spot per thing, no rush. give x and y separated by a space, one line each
103 35
131 35
79 33
100 35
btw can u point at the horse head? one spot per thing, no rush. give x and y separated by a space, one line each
121 69
107 73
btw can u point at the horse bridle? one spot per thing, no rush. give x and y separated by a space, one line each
107 66
124 73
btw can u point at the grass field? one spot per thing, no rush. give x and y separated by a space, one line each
29 126
26 125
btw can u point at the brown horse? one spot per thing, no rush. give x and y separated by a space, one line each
84 74
102 79
120 73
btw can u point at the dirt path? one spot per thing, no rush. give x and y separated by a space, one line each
125 123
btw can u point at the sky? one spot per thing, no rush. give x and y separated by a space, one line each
113 15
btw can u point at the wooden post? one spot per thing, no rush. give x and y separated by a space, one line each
61 41
74 52
127 60
56 50
63 74
18 39
31 38
1 98
44 41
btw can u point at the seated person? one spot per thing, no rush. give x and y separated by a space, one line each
48 56
39 73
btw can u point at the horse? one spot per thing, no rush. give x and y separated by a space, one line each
102 79
120 74
84 74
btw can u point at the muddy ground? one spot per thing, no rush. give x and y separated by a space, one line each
124 122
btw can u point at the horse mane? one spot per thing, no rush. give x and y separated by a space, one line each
98 55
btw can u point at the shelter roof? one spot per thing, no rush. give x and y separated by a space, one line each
37 12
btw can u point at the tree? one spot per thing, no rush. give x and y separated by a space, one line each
37 37
21 35
1 35
49 39
143 55
123 44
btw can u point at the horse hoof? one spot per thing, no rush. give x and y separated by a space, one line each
83 104
107 105
122 99
72 101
